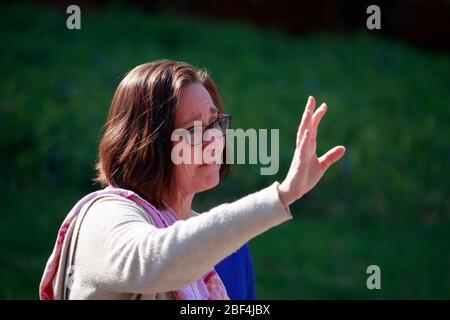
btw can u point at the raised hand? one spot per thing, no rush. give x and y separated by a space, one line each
306 168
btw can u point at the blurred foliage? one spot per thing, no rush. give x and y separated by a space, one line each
388 104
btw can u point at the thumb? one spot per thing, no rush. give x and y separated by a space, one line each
331 157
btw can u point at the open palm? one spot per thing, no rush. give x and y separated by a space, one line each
306 168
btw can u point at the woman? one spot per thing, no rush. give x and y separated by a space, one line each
139 238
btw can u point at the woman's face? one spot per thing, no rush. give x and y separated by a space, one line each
196 105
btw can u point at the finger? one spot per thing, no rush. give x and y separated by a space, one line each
304 144
310 104
331 157
317 116
306 118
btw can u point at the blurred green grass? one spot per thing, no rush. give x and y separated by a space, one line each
386 203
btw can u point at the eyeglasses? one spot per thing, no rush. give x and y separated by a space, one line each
217 129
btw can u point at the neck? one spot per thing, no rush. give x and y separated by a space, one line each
181 203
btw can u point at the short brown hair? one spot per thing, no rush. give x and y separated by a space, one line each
135 147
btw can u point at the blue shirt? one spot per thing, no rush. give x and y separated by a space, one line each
237 274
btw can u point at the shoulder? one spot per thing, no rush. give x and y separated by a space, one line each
109 209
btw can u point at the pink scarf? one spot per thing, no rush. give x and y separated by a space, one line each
209 286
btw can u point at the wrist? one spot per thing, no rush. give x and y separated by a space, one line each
284 195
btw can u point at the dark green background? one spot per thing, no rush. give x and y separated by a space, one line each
386 202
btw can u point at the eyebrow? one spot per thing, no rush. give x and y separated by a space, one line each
198 116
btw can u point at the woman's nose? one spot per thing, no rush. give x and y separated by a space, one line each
215 137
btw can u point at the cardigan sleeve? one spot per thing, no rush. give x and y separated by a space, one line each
120 250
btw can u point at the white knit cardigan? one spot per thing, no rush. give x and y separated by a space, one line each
116 252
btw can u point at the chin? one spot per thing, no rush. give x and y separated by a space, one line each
209 180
